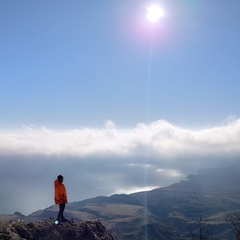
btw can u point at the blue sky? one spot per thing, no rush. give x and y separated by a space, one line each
75 64
87 84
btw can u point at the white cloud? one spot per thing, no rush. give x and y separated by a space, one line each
158 139
110 124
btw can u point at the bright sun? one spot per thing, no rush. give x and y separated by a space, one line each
154 13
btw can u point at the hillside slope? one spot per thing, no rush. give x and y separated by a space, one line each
208 197
207 193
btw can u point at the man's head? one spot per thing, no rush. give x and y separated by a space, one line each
60 178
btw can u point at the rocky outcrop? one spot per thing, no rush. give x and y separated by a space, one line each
47 230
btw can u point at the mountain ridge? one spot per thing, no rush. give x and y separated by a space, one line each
211 194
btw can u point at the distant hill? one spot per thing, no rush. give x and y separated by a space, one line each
209 192
212 195
174 212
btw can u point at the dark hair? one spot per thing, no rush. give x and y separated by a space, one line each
60 177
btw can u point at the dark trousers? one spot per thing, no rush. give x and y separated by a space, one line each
60 213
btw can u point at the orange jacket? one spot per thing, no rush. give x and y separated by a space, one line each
60 195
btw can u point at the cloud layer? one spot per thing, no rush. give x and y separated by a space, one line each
159 138
106 161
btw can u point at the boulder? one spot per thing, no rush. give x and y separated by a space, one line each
48 230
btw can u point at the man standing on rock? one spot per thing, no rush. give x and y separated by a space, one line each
60 197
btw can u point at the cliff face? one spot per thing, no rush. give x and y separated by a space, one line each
47 230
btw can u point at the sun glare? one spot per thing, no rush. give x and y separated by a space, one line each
154 13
